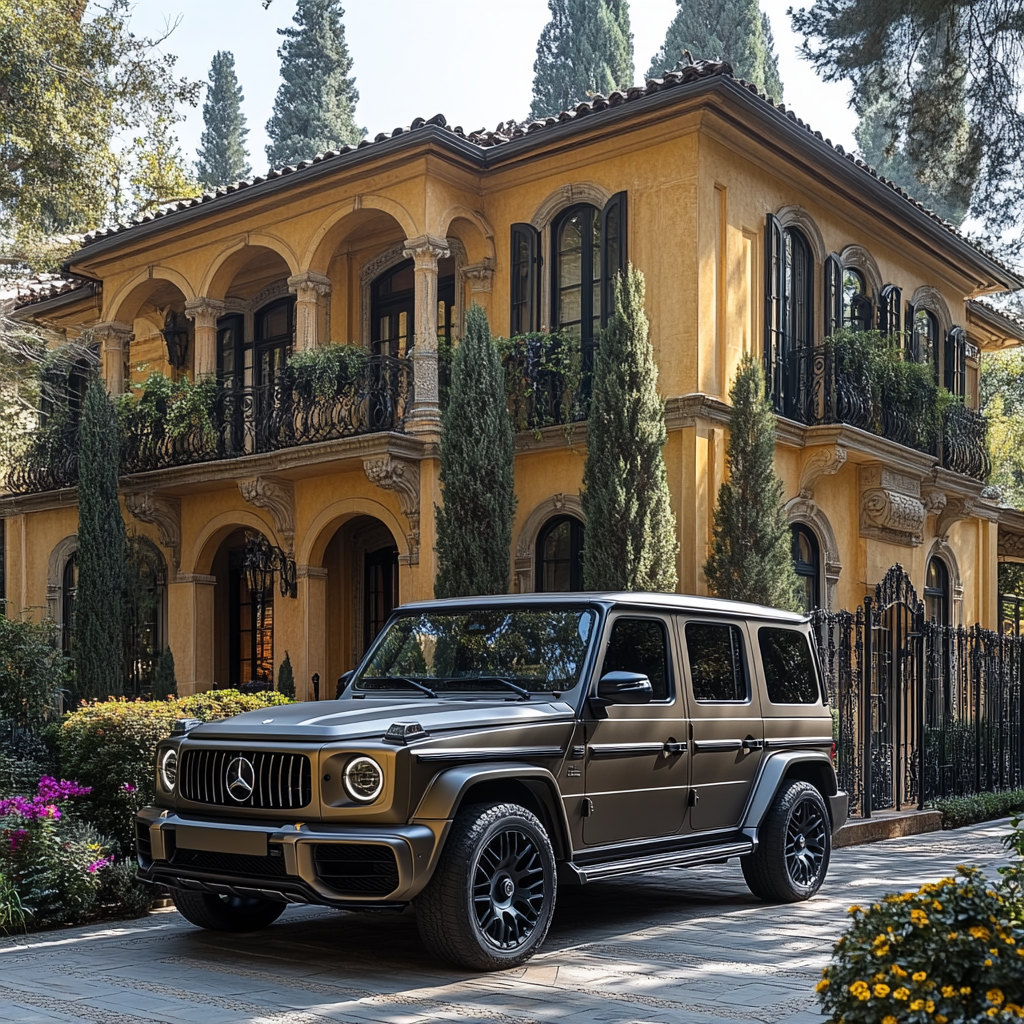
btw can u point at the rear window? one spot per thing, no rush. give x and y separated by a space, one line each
788 666
715 655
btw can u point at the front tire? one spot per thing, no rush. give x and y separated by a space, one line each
794 847
490 901
226 913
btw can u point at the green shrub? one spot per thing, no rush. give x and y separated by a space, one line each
1013 873
968 810
13 916
323 372
32 672
945 953
286 678
164 683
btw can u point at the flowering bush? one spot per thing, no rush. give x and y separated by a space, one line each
946 953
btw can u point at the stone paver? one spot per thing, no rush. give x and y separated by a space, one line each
683 947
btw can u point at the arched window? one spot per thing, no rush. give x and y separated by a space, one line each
69 590
936 592
560 555
393 307
925 339
807 565
145 614
799 296
856 301
274 333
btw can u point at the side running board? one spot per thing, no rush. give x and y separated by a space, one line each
583 873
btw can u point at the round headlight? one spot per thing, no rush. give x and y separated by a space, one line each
363 779
169 769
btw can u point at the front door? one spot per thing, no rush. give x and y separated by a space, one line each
635 788
380 592
725 714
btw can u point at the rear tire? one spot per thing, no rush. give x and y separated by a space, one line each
226 913
794 847
490 901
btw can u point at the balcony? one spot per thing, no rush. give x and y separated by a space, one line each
186 424
880 393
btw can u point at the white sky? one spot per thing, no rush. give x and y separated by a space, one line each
471 60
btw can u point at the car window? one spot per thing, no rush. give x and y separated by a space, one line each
640 645
714 653
788 666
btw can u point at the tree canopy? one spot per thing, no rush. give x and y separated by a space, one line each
950 74
733 30
315 106
586 48
222 157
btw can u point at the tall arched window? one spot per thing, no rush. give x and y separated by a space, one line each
856 301
274 335
936 592
925 339
69 590
560 555
145 614
393 307
807 566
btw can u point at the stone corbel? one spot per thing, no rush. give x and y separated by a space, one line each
957 508
934 501
403 478
480 275
278 498
819 463
892 516
162 512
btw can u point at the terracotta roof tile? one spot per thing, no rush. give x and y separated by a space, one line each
27 291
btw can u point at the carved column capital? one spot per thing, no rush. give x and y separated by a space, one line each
480 275
204 312
820 462
426 250
164 513
402 477
309 286
277 497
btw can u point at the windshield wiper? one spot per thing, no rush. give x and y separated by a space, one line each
412 682
524 694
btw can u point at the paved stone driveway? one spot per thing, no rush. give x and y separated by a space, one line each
684 946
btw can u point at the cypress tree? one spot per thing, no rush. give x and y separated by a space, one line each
585 48
164 682
315 106
732 30
630 524
286 678
102 547
751 553
474 529
222 154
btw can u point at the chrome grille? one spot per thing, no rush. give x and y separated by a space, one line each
280 781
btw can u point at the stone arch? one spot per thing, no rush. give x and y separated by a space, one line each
569 195
480 229
310 551
204 549
942 549
230 260
929 298
59 556
322 245
856 257
126 302
808 513
798 217
526 542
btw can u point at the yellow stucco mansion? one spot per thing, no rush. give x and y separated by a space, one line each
754 234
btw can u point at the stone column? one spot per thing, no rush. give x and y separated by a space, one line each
312 292
205 313
481 280
425 251
115 339
190 616
313 598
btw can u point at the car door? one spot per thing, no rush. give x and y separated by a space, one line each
727 736
636 786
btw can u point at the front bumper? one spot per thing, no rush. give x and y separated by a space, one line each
339 866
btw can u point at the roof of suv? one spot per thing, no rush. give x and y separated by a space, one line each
667 602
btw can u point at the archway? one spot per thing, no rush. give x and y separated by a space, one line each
164 338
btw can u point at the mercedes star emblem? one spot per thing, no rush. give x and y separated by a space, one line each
240 779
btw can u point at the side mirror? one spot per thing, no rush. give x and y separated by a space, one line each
343 680
625 688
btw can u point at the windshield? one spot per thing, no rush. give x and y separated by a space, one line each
510 650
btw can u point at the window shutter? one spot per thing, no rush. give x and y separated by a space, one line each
524 312
889 310
913 343
955 369
613 250
833 295
774 270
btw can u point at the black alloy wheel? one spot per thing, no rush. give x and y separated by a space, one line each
794 846
489 903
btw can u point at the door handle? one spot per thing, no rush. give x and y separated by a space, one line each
752 744
672 748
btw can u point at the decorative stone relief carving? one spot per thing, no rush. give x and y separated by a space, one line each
402 477
480 275
162 512
891 507
934 501
819 463
957 508
1011 545
205 312
278 498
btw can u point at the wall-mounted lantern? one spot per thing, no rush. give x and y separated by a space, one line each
175 334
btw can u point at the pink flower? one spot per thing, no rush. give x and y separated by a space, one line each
18 836
98 865
127 787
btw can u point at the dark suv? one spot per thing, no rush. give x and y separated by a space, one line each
487 751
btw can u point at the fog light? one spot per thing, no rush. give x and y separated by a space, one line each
363 779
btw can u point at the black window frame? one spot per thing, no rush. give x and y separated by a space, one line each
807 570
859 314
890 310
954 371
577 539
524 290
670 680
833 273
819 696
743 659
940 593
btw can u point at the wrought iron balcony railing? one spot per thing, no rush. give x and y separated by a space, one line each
822 385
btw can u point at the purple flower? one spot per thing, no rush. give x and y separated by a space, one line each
99 865
18 836
127 787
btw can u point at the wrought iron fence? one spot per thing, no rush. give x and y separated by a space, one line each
922 711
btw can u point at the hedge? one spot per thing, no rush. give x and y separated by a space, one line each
969 810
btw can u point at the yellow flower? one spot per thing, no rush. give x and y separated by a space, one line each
995 995
857 987
854 909
939 1019
889 1020
948 991
917 1004
979 931
988 963
992 1011
881 990
882 950
919 918
965 990
919 976
901 993
929 1006
936 904
898 971
822 985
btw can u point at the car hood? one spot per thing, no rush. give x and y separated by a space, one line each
331 721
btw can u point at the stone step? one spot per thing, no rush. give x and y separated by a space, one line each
886 825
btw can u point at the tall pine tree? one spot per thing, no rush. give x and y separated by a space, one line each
751 551
315 106
474 529
102 552
222 154
585 48
630 522
732 30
